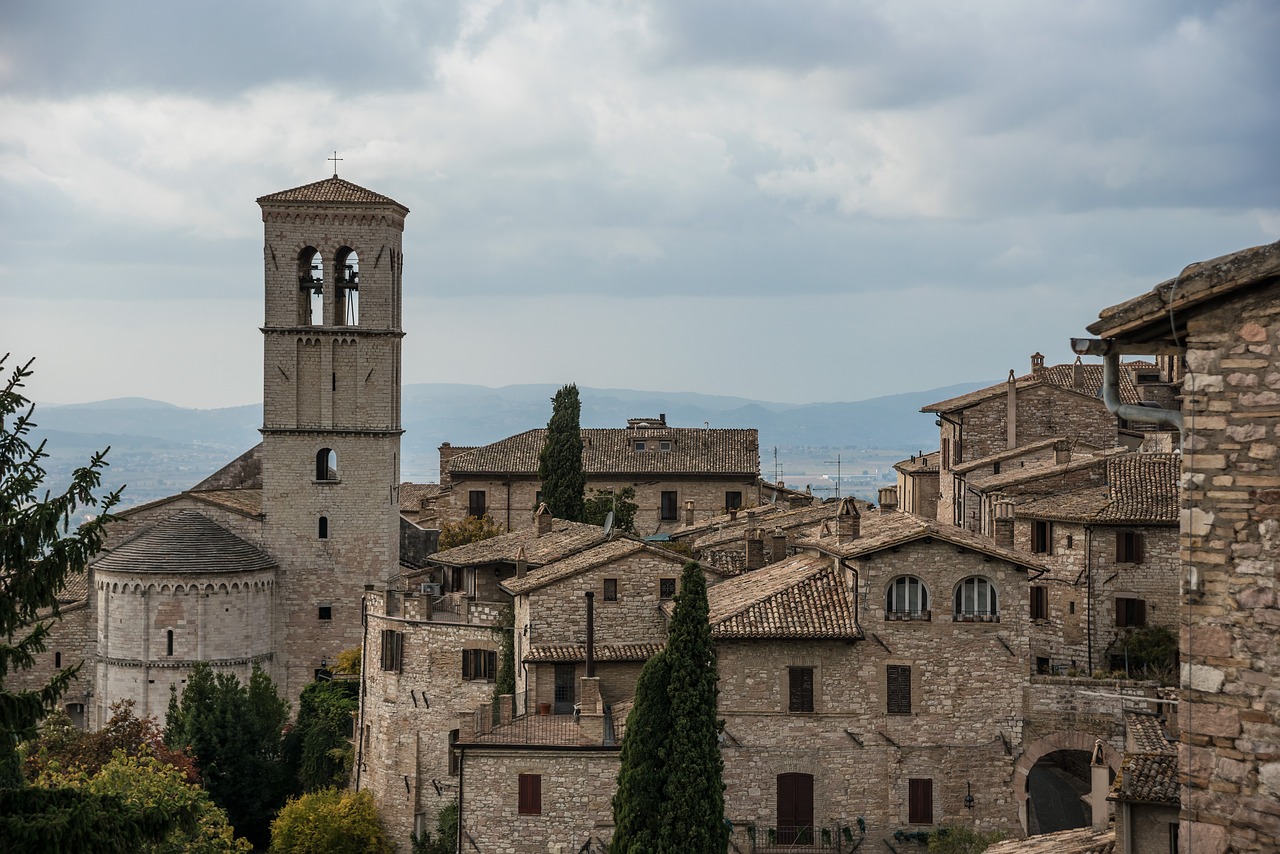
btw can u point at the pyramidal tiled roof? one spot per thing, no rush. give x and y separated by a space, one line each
801 597
330 191
186 542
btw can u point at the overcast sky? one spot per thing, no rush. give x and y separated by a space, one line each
794 201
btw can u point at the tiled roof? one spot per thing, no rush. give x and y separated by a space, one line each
720 520
412 495
330 191
1014 477
246 501
1141 488
886 530
920 464
1062 376
1149 778
800 597
75 589
1145 734
1007 454
564 538
244 472
611 451
186 542
1081 840
786 520
566 653
619 546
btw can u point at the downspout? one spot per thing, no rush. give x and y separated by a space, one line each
1111 386
364 657
1088 605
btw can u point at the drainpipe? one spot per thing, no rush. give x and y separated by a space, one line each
1111 385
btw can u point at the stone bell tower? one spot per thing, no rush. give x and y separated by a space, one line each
331 413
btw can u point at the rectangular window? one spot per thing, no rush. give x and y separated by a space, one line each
995 467
898 685
392 650
537 499
325 612
1128 547
1039 603
611 590
1042 665
1131 612
919 801
946 455
1041 537
530 794
639 446
453 753
670 506
800 687
666 588
732 500
664 446
475 503
480 665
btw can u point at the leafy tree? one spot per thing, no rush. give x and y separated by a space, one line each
62 745
39 550
622 503
693 816
317 745
956 839
446 839
235 733
472 529
505 682
639 799
36 820
329 822
564 483
348 663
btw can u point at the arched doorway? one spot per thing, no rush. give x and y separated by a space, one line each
1057 764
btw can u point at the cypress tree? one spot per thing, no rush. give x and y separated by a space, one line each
638 802
560 463
693 809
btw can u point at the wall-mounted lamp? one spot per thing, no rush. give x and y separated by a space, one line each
968 797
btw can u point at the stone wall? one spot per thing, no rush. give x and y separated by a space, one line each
70 642
1231 536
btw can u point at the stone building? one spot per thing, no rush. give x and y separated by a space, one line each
1223 317
918 484
716 468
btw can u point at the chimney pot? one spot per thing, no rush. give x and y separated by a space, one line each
848 521
543 517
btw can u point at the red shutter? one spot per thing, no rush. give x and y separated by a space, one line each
920 801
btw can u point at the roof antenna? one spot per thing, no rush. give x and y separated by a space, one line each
335 158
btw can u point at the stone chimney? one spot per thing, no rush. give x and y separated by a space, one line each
755 549
543 519
1061 452
522 563
1098 789
688 511
1037 364
777 546
1011 412
590 710
888 499
848 521
1077 375
1004 523
447 453
733 514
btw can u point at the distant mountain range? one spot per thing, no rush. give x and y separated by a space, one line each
159 449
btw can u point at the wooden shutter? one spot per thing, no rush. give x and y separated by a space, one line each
1122 555
801 689
1137 547
898 679
530 799
1039 603
920 801
491 665
1139 612
795 809
466 664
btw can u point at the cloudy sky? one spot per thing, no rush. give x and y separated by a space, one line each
790 200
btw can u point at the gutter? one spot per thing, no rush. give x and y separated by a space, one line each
1109 349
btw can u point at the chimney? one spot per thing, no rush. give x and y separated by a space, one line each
888 499
662 418
777 546
688 511
1037 364
755 549
1061 452
1004 523
848 521
1077 375
590 711
522 563
591 634
733 514
1098 774
543 517
1011 413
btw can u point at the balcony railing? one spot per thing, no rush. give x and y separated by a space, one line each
923 614
838 838
976 617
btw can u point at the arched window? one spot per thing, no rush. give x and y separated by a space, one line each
57 659
346 280
976 600
326 464
906 599
323 528
310 287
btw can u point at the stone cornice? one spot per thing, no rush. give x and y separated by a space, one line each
174 663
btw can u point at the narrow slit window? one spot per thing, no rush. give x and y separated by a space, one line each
169 642
322 528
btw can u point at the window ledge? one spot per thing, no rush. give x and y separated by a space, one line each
975 618
327 480
909 616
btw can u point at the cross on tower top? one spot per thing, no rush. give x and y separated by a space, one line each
335 158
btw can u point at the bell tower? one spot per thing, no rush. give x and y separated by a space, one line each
331 413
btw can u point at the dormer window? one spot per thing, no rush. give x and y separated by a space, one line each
664 446
639 445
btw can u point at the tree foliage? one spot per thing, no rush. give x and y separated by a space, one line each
957 839
445 840
505 683
39 549
36 820
1153 653
62 745
564 483
472 529
622 503
348 663
329 822
317 746
235 734
670 784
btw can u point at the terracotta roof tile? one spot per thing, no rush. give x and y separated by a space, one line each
800 597
246 501
330 191
921 464
186 542
244 472
618 547
1081 840
1145 734
564 538
1013 453
1141 488
1015 477
1149 778
565 653
786 520
1062 376
413 494
611 451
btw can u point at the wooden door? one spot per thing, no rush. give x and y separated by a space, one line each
795 809
565 693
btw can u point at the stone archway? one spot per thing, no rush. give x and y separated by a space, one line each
1042 747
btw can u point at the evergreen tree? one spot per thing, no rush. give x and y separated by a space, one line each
564 483
39 549
693 811
638 801
318 746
